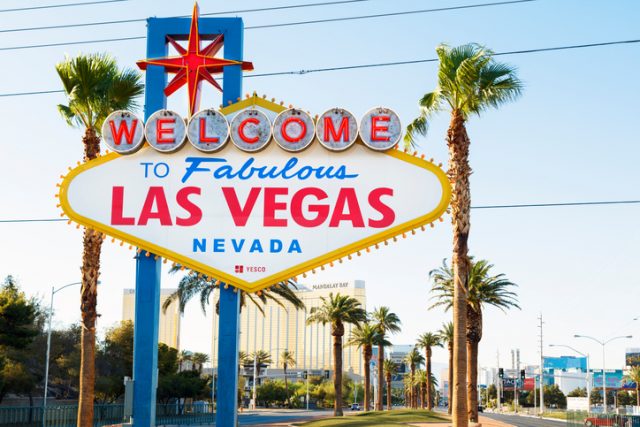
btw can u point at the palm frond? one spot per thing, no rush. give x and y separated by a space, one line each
469 81
484 288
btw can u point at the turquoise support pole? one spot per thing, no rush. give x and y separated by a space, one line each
148 269
145 351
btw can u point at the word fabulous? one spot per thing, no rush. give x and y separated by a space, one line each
252 130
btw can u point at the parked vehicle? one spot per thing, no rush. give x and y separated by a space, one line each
355 406
612 421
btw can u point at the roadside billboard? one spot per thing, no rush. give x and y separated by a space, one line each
632 357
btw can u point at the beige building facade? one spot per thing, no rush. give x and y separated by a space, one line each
169 332
285 327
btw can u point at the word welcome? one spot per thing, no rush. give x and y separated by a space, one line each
251 130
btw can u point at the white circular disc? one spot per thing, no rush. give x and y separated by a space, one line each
293 130
380 128
165 131
123 132
208 130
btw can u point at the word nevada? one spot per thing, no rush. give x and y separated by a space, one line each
251 130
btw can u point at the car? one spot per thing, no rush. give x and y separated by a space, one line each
480 408
355 406
605 422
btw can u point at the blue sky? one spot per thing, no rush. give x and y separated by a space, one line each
572 137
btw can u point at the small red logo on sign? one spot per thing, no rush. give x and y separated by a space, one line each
239 269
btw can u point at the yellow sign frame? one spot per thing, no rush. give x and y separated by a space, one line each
280 276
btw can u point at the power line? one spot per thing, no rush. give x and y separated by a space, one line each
384 15
285 24
52 6
528 205
228 12
547 205
383 64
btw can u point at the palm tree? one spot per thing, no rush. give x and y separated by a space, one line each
194 283
364 336
470 81
260 358
427 341
198 360
433 384
336 311
420 382
288 360
407 383
446 335
633 375
390 369
414 359
184 356
386 322
484 289
94 87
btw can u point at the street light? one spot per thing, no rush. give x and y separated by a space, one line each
588 376
46 366
604 375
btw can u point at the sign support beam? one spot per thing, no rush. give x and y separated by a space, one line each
229 324
148 268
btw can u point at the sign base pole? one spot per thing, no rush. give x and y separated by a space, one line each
227 386
145 340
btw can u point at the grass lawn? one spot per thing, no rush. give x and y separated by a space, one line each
557 414
380 419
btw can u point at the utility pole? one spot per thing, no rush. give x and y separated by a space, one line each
306 374
541 367
517 395
498 382
255 380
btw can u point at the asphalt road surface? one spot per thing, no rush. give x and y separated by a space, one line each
522 421
275 416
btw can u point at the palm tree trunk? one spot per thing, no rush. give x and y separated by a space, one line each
337 332
92 245
637 394
474 335
428 361
472 380
459 173
367 378
424 391
450 377
389 394
380 377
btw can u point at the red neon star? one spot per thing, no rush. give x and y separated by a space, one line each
194 64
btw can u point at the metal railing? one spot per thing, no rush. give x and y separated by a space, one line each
104 415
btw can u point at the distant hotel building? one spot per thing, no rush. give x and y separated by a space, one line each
285 327
169 332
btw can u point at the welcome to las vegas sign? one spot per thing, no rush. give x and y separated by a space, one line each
252 219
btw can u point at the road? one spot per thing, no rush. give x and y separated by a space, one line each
275 416
523 421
